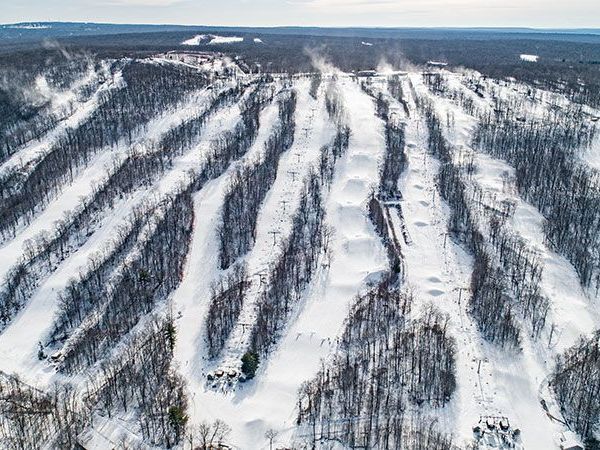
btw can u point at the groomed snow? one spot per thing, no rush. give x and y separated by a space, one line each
18 343
520 380
270 400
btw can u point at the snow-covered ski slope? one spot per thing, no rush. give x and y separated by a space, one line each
115 290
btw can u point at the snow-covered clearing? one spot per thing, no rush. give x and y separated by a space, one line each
212 39
529 58
592 155
30 26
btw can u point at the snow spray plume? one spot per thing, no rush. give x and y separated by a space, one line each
385 68
320 63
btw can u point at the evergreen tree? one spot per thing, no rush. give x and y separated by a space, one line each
250 364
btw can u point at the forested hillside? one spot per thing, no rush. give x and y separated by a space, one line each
198 253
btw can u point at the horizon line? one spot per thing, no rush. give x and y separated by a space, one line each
338 27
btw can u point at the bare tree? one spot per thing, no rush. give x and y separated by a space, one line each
270 435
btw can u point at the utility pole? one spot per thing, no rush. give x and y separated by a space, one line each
274 233
552 328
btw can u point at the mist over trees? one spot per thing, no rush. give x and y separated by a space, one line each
148 90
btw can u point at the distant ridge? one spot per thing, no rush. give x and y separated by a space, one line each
32 31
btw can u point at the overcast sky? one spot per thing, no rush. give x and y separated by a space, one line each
385 13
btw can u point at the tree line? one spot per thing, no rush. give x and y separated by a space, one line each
249 187
300 251
148 90
138 168
385 368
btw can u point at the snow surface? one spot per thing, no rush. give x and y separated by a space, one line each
529 58
212 39
438 270
518 382
18 349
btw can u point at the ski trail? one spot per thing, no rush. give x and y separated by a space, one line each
518 378
274 221
33 150
573 312
357 256
85 182
237 405
191 299
439 271
19 349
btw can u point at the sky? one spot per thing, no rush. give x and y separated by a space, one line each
368 13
